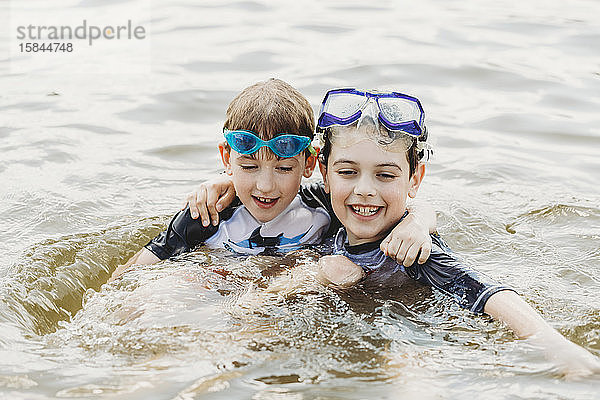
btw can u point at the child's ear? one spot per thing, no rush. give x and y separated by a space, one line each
309 166
323 169
225 155
415 180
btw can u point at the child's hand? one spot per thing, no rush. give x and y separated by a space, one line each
117 272
338 271
210 198
571 359
406 241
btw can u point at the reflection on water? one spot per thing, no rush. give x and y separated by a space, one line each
92 166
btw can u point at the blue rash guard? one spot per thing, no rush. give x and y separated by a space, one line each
470 289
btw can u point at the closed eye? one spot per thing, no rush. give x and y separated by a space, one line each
248 167
386 176
347 172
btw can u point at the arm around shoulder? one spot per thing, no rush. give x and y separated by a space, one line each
425 213
409 241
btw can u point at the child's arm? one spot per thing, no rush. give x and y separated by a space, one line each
144 257
479 293
510 308
182 234
505 306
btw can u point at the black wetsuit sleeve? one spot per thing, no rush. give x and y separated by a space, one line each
443 271
184 233
314 195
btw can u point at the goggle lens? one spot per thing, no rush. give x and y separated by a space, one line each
398 110
344 105
242 142
287 145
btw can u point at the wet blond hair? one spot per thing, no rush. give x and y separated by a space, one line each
270 108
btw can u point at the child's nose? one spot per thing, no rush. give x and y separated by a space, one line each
364 187
265 182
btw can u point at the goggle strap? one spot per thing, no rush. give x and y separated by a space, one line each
425 152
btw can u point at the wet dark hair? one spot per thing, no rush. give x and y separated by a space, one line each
412 154
270 108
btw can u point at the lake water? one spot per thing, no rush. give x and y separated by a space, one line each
93 165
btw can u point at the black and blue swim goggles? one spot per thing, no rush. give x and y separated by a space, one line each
397 112
285 145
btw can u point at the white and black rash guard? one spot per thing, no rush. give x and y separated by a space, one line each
469 288
306 221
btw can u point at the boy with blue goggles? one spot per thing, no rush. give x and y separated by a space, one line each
285 145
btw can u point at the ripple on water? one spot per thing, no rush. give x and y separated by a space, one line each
47 284
327 29
253 61
103 130
192 28
6 132
252 6
183 152
28 106
566 234
559 217
246 62
190 106
174 312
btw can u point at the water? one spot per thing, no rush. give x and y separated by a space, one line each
92 166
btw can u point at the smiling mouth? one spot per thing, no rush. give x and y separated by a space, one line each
265 202
365 211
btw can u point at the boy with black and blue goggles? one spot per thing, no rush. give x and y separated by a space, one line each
400 116
285 145
397 112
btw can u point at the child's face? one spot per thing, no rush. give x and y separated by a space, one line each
264 184
369 187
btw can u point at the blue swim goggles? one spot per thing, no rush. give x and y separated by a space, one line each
396 111
285 145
